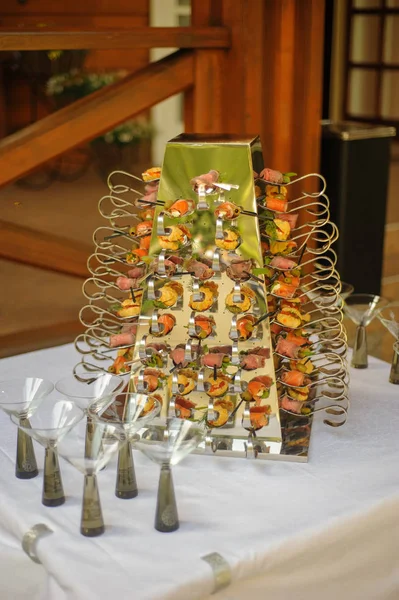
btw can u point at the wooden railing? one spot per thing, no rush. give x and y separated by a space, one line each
245 66
93 115
28 38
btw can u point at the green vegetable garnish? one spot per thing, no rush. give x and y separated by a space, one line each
287 177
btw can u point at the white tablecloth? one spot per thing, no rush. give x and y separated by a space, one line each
315 531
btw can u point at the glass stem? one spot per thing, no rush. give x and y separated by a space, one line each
359 356
25 466
53 491
90 433
92 522
166 517
126 484
90 426
394 374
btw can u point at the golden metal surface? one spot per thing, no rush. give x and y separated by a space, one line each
185 158
287 434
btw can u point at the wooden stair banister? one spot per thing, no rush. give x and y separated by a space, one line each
39 337
87 118
43 250
29 38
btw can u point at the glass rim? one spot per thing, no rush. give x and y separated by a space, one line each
22 379
111 376
371 296
16 417
99 419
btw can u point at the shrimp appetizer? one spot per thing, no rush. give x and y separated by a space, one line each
245 327
247 298
222 408
153 379
176 237
258 389
181 208
209 291
129 307
142 229
278 230
217 387
166 322
227 211
122 361
184 407
204 326
152 174
231 239
186 381
259 416
207 179
136 256
169 294
290 317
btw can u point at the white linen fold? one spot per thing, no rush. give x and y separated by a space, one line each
321 530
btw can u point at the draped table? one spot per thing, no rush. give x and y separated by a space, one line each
321 530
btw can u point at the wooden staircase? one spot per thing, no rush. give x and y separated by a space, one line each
245 66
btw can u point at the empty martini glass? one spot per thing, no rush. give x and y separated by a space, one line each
361 309
129 413
105 443
84 393
48 425
346 290
396 349
20 398
389 317
179 438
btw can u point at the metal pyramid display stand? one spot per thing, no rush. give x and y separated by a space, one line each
207 293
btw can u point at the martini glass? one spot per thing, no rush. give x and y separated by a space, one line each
85 393
389 317
20 398
105 443
48 425
129 414
361 309
346 290
180 437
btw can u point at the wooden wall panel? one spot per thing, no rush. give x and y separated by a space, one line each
203 112
75 7
115 17
43 250
271 77
89 117
308 84
278 83
114 14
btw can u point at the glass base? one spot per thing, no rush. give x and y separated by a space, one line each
25 466
359 355
126 484
126 495
92 531
166 517
26 474
53 490
53 502
394 374
92 523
